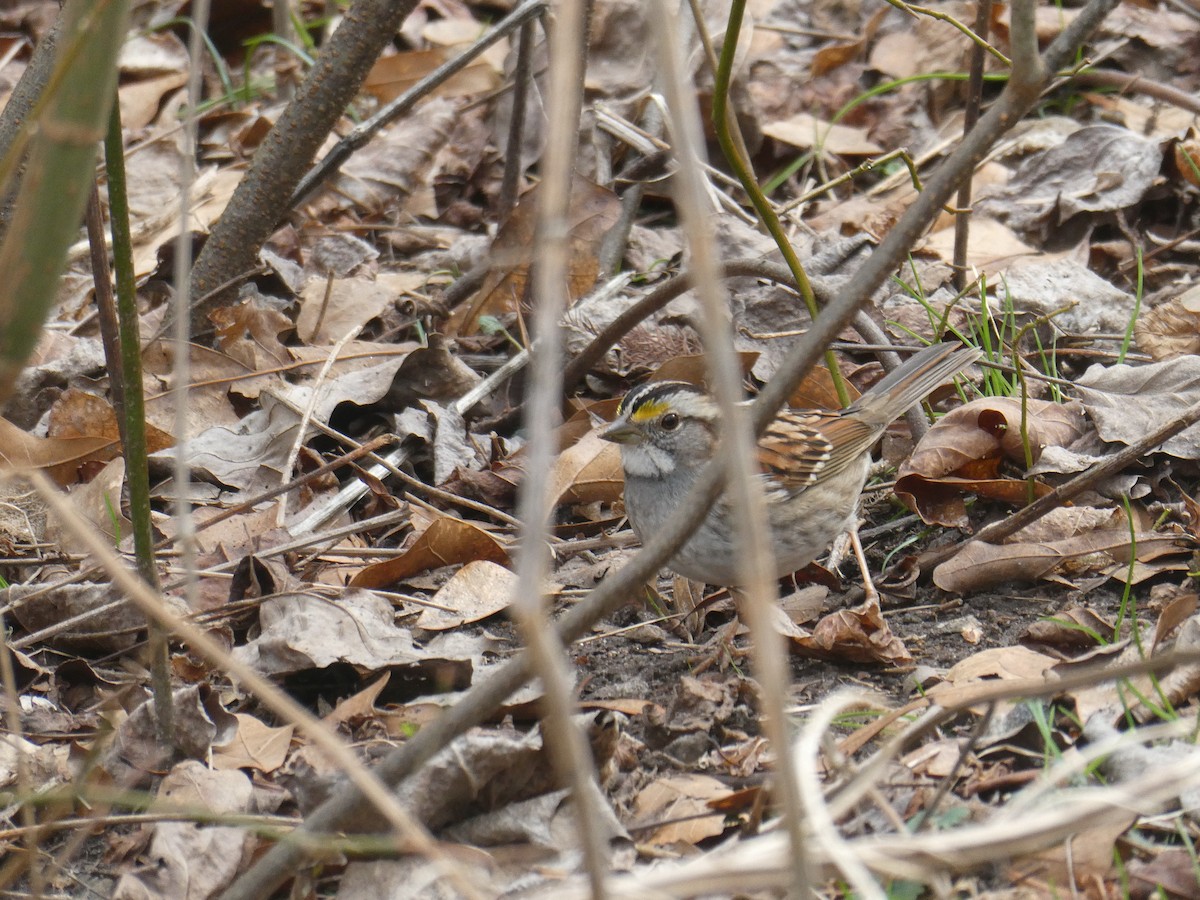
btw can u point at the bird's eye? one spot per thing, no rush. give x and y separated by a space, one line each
670 421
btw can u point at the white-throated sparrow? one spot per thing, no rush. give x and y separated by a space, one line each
814 462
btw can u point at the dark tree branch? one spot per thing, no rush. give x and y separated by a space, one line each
289 148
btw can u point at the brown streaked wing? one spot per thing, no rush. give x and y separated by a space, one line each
801 446
794 449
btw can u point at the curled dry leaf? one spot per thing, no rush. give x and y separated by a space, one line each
681 801
447 541
78 414
60 457
249 332
1178 610
1172 328
99 502
1071 628
112 629
83 429
1187 158
1128 402
963 452
1099 168
359 707
587 472
304 631
859 635
979 566
477 590
256 745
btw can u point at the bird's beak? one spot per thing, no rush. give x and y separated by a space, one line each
621 432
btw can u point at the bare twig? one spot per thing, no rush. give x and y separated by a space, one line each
514 159
745 490
1131 83
962 221
569 748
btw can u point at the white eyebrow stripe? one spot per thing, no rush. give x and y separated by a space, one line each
693 405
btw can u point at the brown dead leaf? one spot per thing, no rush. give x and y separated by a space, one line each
1069 521
349 303
360 706
446 542
255 746
433 372
1049 21
1187 157
1096 169
1167 873
692 368
593 211
588 471
188 859
1003 663
1178 610
78 414
113 628
962 453
476 591
816 391
682 801
1172 328
1115 700
82 429
858 635
834 56
1085 860
990 245
303 631
141 100
897 54
1127 402
60 457
630 706
978 566
1157 28
808 132
392 75
1071 628
208 403
99 502
249 332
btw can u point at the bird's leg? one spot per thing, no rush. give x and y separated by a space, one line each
872 595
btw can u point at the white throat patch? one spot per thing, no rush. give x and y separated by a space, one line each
647 461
